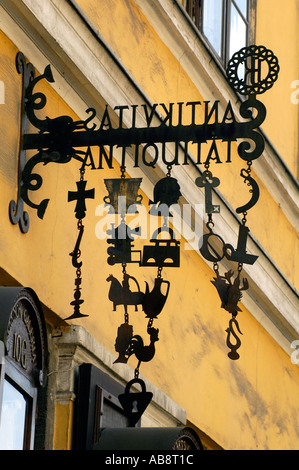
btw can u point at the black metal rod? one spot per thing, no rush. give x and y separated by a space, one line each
145 135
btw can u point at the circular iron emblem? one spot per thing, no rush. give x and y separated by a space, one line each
259 67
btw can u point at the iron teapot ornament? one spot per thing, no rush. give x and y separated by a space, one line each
154 301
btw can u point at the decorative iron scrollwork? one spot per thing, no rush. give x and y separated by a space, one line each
59 150
237 342
16 208
245 173
252 58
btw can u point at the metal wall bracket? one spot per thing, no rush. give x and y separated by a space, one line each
17 214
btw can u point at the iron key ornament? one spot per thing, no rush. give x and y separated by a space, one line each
207 181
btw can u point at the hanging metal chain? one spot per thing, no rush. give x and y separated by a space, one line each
78 281
169 168
210 222
122 171
80 210
247 171
124 271
244 218
216 269
249 165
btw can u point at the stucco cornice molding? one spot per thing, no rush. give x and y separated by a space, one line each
75 345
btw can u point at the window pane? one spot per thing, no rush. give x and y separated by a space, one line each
237 32
242 5
212 23
113 416
13 414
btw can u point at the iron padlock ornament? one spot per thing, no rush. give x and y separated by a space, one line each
134 404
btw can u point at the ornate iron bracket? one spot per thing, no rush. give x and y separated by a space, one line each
58 149
16 208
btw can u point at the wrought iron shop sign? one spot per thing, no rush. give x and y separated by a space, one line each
60 139
251 71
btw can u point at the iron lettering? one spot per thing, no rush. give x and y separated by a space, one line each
202 126
22 337
19 350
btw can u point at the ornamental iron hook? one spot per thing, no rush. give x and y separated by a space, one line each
231 332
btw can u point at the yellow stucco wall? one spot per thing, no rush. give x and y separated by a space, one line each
63 433
251 403
277 29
